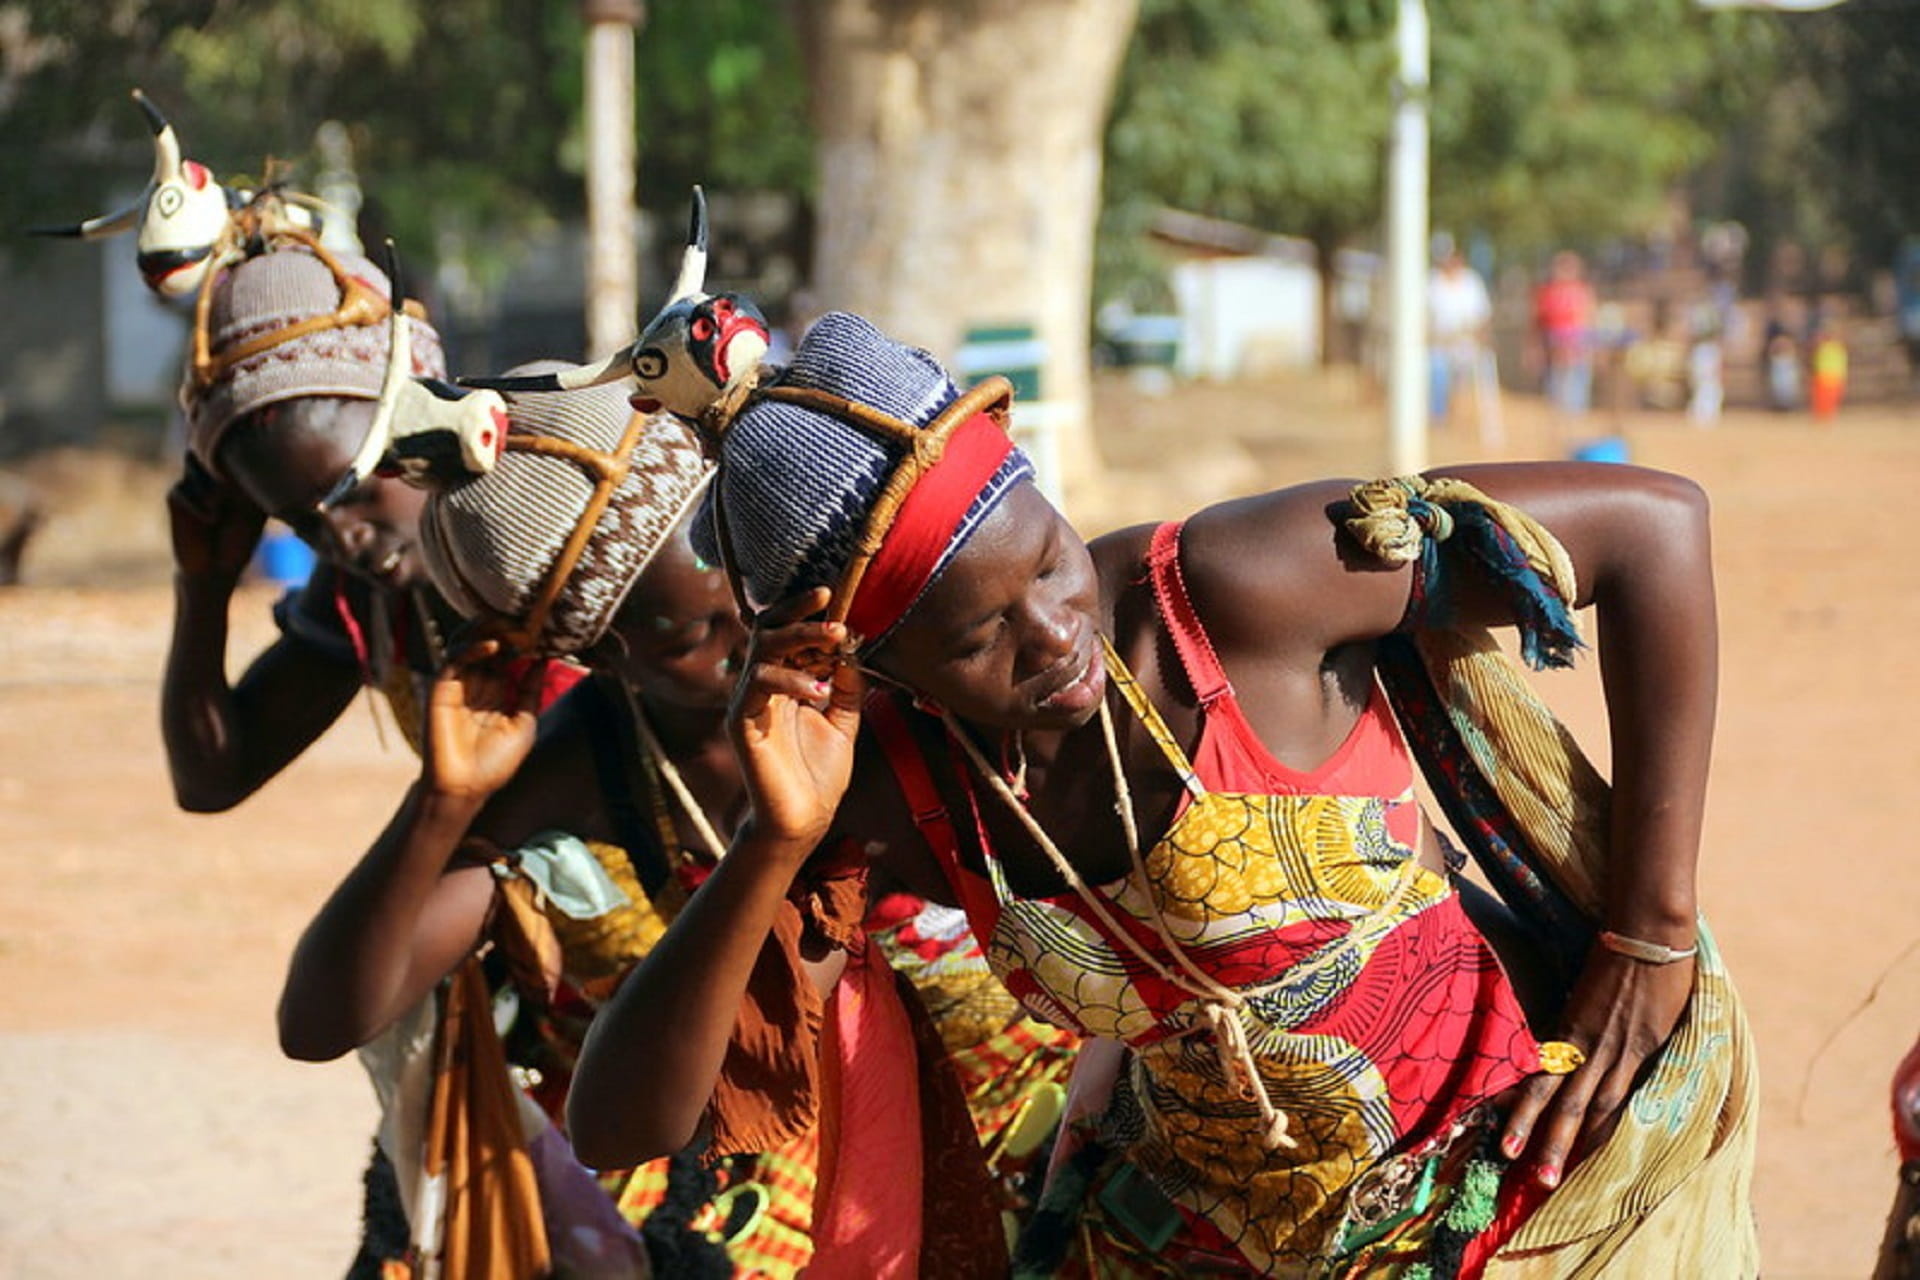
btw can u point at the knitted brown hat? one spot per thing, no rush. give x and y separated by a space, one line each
268 293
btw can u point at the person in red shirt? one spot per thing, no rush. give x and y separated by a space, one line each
1563 313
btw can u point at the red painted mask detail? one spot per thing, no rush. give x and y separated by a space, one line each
732 326
197 175
644 404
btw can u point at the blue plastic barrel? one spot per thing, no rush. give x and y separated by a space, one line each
284 559
1603 449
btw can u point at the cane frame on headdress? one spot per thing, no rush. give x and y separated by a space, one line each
925 447
609 471
360 305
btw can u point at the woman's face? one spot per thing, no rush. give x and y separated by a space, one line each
683 637
1009 636
289 457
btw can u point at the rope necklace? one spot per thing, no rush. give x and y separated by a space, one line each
665 770
657 757
1220 1005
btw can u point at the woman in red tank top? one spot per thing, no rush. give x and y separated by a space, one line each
859 480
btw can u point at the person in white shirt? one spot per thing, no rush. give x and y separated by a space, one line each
1459 319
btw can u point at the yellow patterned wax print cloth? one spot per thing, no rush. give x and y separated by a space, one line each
1373 1011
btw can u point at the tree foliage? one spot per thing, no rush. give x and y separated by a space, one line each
465 114
1269 112
1552 121
1836 158
1570 121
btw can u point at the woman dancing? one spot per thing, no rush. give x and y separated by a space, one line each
1162 774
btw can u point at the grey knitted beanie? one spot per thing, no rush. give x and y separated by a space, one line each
798 485
269 292
491 541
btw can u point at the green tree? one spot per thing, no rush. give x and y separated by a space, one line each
1553 121
1269 112
465 114
1835 158
1570 122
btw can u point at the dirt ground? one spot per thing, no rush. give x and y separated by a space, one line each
152 1128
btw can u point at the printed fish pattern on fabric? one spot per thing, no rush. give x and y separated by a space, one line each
1390 1019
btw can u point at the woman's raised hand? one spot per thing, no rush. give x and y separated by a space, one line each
480 722
794 719
215 527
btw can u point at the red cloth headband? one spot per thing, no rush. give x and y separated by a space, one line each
916 543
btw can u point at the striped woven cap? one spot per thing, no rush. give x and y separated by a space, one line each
272 291
492 541
798 485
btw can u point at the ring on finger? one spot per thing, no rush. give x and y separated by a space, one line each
1560 1058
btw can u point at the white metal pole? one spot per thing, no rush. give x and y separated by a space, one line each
613 266
1407 249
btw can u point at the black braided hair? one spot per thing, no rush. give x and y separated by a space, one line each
674 1247
384 1236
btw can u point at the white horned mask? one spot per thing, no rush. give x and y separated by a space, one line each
185 215
698 346
181 215
426 432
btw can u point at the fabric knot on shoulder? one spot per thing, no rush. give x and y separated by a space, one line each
1392 519
1402 521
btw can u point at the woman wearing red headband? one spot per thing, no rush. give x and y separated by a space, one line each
1161 773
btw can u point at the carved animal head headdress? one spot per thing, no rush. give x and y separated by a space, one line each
698 346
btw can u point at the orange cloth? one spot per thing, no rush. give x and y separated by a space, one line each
866 1220
492 1228
903 1187
769 1088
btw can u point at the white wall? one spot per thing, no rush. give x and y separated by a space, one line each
1247 315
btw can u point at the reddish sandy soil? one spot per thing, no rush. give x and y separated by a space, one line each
152 1128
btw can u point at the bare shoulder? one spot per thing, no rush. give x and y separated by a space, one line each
1271 574
1119 555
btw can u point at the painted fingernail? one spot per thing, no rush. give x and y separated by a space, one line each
1512 1144
821 688
1549 1177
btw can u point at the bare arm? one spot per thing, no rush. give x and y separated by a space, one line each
407 913
225 742
1645 561
671 1020
1639 543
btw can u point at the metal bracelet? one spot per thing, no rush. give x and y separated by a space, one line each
1649 952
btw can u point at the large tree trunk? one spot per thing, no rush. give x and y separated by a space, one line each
959 158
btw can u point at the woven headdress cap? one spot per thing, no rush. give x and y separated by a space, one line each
491 541
798 484
267 293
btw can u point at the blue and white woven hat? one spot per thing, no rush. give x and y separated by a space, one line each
798 484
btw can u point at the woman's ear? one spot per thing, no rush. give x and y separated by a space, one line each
920 701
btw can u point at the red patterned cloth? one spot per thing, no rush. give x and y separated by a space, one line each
1374 1013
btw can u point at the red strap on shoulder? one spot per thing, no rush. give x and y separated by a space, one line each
916 780
1202 665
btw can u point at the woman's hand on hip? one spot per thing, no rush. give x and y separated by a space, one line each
1620 1015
